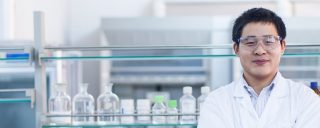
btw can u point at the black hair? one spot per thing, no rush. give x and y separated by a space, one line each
257 15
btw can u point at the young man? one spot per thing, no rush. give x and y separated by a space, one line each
261 98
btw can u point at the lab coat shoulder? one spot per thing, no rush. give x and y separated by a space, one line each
217 108
298 107
307 105
297 88
221 97
302 95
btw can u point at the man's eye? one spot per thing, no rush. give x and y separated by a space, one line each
269 42
249 43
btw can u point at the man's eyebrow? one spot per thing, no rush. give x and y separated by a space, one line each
250 36
258 36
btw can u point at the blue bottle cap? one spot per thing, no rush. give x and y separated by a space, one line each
17 55
314 85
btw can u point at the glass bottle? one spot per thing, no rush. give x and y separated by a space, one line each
158 108
83 104
172 109
315 88
204 93
127 107
143 107
108 103
187 106
60 104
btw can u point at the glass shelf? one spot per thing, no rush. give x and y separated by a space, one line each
162 52
115 125
29 93
96 125
168 57
14 100
15 59
10 48
139 57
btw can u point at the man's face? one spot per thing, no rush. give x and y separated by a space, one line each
260 61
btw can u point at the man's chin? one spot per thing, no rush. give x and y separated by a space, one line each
261 72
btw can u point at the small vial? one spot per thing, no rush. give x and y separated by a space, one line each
172 109
205 90
143 107
127 107
187 106
158 108
315 88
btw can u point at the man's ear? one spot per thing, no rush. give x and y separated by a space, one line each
236 48
283 46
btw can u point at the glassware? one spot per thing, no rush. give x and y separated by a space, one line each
158 108
60 104
83 103
143 107
315 88
108 103
205 90
187 106
172 109
127 107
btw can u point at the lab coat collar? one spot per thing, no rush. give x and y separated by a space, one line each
279 89
246 109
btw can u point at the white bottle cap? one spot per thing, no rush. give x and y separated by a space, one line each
143 104
205 89
187 90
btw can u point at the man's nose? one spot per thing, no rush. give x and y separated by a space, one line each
260 48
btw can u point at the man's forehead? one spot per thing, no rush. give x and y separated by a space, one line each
257 29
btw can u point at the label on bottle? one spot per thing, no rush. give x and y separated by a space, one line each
172 119
188 107
143 119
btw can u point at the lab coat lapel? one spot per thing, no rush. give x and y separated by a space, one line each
248 117
273 106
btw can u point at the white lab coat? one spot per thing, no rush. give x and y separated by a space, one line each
290 105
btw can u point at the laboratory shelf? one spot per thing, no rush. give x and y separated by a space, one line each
116 125
28 92
14 100
184 52
168 57
96 125
16 58
139 57
13 48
